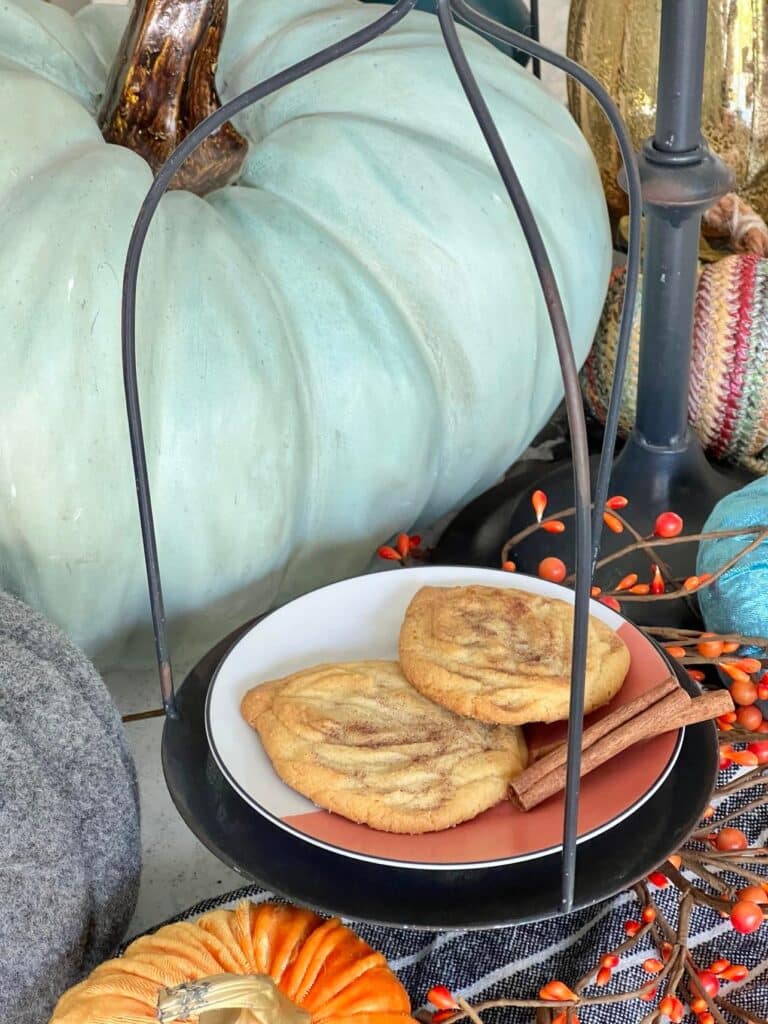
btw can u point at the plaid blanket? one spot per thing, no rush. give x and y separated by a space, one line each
507 962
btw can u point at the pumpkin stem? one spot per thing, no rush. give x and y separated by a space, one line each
221 1000
162 85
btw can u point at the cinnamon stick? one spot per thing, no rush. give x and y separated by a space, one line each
556 758
639 720
711 704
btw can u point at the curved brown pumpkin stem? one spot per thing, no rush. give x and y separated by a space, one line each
162 85
229 999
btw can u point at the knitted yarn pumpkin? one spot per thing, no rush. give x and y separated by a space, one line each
728 397
321 966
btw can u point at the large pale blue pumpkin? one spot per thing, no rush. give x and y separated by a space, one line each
348 342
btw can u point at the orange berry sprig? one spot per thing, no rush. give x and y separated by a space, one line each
405 546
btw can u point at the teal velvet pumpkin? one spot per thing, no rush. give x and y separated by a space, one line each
349 341
738 601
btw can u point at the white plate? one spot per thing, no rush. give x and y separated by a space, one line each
360 618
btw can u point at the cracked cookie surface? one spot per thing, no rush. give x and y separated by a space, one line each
357 739
503 655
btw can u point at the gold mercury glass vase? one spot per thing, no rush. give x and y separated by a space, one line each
618 41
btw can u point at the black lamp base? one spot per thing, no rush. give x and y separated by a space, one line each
653 480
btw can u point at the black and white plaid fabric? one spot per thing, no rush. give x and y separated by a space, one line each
517 961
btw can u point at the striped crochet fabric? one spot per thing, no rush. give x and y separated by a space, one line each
506 962
728 398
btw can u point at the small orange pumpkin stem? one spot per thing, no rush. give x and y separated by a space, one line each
256 993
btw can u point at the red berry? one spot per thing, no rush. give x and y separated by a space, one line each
650 995
698 1005
657 582
709 648
750 717
671 1007
610 960
656 878
742 691
668 524
749 665
611 602
706 1018
603 976
552 569
441 997
509 567
627 581
760 750
539 502
674 651
403 544
613 522
557 992
708 983
738 972
648 915
631 928
617 502
731 839
754 893
653 965
718 966
389 553
441 1015
746 917
553 526
745 758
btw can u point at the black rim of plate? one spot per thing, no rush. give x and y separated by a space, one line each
340 851
401 897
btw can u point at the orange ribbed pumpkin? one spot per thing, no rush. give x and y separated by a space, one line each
320 965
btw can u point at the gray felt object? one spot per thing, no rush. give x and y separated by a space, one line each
70 852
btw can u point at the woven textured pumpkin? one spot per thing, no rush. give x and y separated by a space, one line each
320 343
728 395
319 965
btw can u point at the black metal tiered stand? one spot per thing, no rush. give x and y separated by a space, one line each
497 895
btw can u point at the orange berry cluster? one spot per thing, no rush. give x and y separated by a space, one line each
404 546
747 687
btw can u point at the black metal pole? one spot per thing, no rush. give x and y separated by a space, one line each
681 75
672 229
663 464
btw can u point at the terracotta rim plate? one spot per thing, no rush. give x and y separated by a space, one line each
360 618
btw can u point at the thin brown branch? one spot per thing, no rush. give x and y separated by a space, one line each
533 528
717 824
761 534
